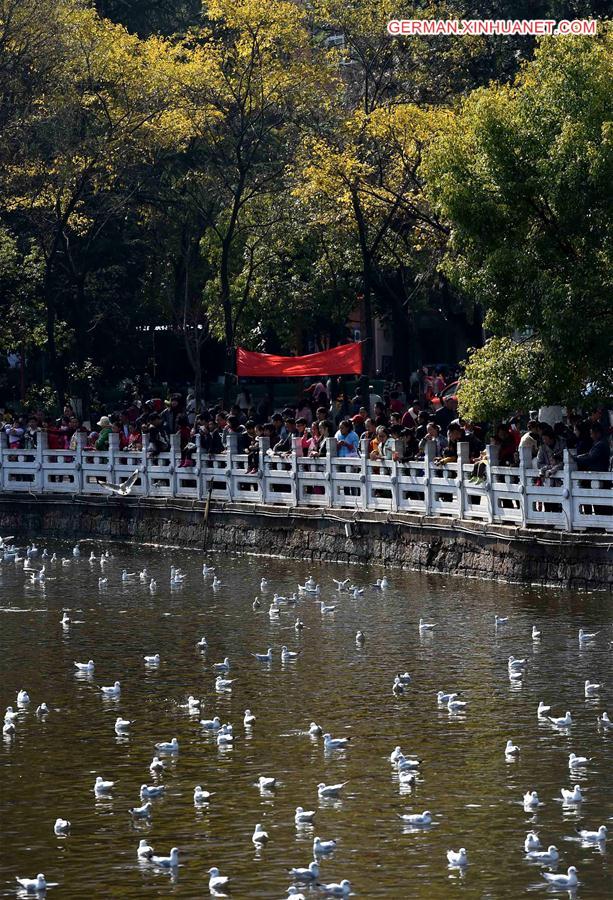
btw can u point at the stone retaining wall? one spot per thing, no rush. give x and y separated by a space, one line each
396 540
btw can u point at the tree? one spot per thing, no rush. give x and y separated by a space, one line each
523 176
97 113
504 377
250 65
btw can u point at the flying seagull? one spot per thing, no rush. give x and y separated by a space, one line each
124 488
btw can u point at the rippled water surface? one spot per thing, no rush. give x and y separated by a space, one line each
48 769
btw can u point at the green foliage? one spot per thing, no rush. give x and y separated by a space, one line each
523 174
502 378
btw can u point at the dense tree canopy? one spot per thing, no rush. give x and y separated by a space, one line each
235 171
523 173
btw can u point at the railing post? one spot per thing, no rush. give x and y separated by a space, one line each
231 450
42 444
197 457
526 462
80 439
145 480
296 452
365 451
397 450
175 454
429 457
330 454
113 450
463 460
570 466
492 460
3 446
264 445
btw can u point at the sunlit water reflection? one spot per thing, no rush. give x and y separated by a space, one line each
48 768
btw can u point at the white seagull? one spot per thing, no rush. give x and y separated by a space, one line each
511 749
536 634
593 837
113 691
85 666
266 783
103 787
531 800
457 857
331 743
216 880
248 719
543 710
500 620
152 660
426 626
144 850
141 812
167 862
532 842
322 847
577 762
222 666
330 790
33 885
417 819
151 790
605 721
264 657
569 880
549 856
224 684
168 746
62 826
211 724
122 489
561 721
586 637
259 836
574 796
304 816
336 889
591 688
156 765
200 795
308 874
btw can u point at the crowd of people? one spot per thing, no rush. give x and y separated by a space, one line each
392 425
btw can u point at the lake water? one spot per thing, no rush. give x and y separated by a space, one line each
48 768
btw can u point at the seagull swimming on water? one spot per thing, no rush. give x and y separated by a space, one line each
426 626
569 880
549 856
216 879
62 826
306 874
574 796
336 889
591 688
144 850
561 721
34 885
167 862
532 842
86 666
577 762
593 837
330 790
586 637
113 691
543 710
417 819
457 857
304 816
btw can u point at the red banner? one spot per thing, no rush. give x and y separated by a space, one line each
345 360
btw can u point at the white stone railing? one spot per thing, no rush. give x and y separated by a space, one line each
570 501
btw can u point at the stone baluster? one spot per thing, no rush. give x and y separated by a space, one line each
570 466
429 457
526 463
492 461
330 455
463 460
231 451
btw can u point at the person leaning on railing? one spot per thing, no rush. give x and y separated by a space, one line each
597 458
